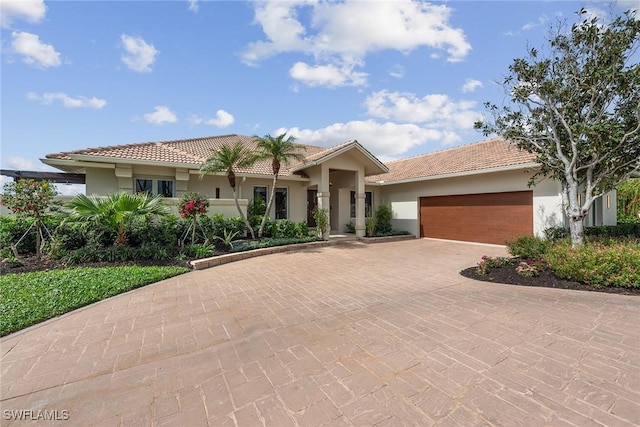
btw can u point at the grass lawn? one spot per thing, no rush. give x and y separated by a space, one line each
30 298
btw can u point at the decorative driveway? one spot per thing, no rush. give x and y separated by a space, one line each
355 334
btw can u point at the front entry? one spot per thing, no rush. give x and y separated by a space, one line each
312 202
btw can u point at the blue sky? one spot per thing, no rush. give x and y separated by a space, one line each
402 77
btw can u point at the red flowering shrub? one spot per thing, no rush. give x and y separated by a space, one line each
192 205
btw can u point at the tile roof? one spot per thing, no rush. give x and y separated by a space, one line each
184 151
489 154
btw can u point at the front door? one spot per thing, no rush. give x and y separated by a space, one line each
312 202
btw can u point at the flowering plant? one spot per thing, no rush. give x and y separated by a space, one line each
489 262
531 268
192 205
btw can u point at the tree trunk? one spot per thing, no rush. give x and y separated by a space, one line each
268 210
574 213
38 238
576 229
242 215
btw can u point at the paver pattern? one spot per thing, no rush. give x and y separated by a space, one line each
386 335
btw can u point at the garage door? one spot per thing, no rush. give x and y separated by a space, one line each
484 218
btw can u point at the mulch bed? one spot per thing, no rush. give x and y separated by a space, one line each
507 275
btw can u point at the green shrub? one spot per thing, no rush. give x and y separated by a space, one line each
528 247
556 233
13 228
620 230
350 227
147 251
597 264
383 219
216 225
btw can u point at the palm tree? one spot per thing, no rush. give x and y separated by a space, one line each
116 212
226 159
279 150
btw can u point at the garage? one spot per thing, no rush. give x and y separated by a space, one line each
483 218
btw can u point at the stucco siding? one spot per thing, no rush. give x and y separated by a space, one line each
101 181
404 198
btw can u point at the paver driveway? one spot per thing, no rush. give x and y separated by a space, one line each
384 334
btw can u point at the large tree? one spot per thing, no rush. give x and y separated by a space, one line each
279 150
228 159
577 108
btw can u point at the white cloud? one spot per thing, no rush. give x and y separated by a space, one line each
34 52
435 110
327 75
223 119
386 141
397 72
161 115
32 11
194 6
69 102
542 20
139 55
340 35
471 85
21 163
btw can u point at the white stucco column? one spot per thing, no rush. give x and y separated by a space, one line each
360 197
323 197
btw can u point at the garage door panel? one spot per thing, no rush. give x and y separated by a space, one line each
485 218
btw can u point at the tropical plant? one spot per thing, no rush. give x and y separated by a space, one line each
577 109
30 199
192 206
116 212
280 150
227 238
228 158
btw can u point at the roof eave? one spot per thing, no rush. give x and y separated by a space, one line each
117 160
519 166
255 175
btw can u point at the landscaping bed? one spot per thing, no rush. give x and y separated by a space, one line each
507 275
604 263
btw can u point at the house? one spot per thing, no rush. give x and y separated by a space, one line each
477 192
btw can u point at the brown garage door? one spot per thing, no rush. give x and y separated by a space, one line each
484 218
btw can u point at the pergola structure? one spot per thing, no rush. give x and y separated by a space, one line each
56 177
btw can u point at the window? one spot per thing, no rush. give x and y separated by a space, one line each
260 193
281 203
163 187
144 185
368 204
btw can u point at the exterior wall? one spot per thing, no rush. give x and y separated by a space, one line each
101 181
404 198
